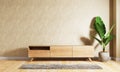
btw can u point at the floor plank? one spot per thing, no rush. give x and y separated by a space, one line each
13 66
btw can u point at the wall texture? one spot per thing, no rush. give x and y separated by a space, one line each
48 22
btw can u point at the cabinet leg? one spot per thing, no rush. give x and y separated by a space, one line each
31 59
89 59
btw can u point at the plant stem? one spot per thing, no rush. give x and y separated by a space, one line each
103 45
103 49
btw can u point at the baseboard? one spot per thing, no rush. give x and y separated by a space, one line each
95 58
111 58
26 58
14 58
116 59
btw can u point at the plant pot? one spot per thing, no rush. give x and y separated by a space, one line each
104 56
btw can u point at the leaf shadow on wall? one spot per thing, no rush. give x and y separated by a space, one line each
18 52
92 33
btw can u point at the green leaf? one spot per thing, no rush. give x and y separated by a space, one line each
100 27
110 30
98 40
108 39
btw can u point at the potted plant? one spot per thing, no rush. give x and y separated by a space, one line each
104 37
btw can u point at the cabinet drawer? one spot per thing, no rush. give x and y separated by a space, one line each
61 51
83 51
38 53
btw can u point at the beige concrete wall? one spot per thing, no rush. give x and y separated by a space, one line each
47 22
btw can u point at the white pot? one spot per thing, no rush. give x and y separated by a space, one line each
104 56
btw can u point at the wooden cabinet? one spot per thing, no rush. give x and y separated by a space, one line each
61 51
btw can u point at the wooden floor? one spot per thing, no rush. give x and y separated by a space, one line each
13 66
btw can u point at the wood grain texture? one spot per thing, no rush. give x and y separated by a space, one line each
13 66
61 51
83 51
39 53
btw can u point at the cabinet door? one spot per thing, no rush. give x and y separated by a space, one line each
38 53
83 51
61 51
